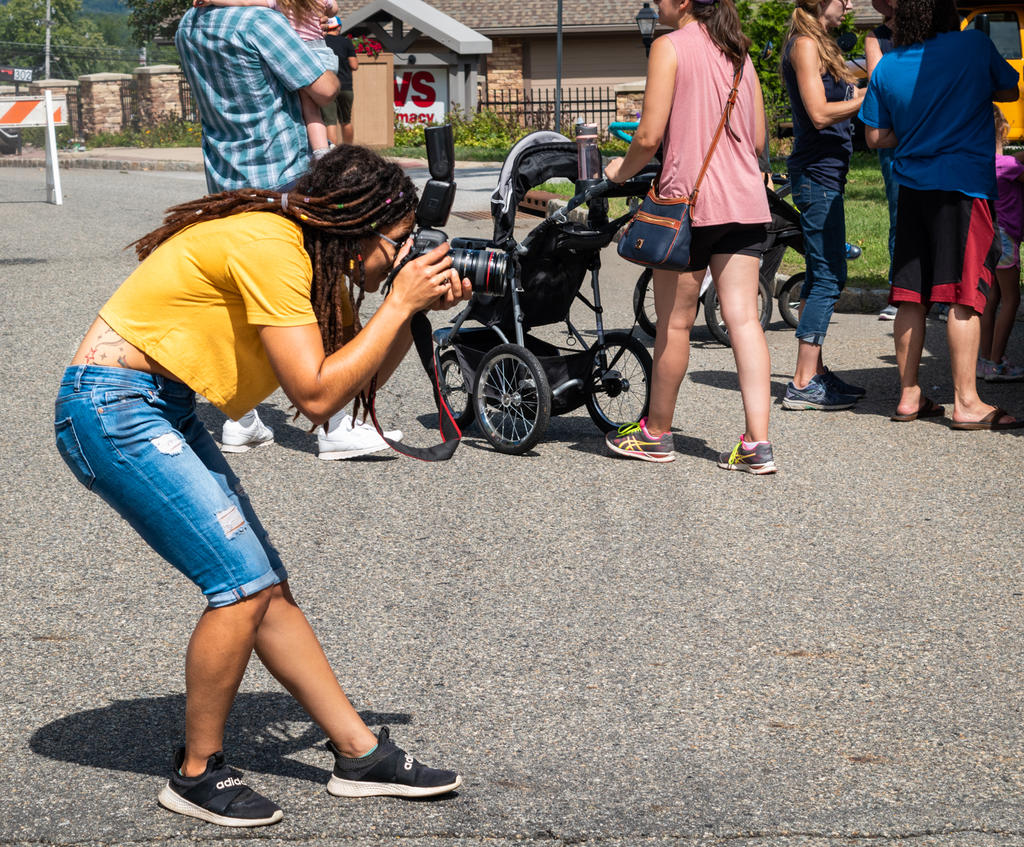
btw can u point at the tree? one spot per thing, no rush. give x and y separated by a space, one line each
151 19
74 40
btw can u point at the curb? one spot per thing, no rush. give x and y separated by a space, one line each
863 301
103 164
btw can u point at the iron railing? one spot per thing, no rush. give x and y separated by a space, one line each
535 107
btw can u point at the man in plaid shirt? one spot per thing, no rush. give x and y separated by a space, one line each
245 65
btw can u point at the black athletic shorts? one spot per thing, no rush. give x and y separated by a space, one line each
946 249
728 239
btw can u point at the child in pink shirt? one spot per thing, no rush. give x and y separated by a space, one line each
1001 310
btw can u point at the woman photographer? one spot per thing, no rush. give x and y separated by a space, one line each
689 78
239 293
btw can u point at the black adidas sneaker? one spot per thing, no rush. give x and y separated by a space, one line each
387 771
217 795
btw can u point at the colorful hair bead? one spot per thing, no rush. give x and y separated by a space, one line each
304 217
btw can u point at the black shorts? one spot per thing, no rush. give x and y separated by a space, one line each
946 249
344 101
727 239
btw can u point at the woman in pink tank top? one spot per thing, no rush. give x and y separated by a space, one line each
689 77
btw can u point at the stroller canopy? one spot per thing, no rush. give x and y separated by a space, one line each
538 157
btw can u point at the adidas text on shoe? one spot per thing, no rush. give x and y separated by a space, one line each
753 458
348 439
633 440
815 395
242 435
218 795
387 772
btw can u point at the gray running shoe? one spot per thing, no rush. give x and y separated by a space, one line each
840 386
887 314
633 440
816 395
757 459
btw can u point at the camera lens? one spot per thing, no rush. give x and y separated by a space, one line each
485 269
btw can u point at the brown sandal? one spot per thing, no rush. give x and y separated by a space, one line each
927 409
990 421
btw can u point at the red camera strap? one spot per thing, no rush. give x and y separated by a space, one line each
451 435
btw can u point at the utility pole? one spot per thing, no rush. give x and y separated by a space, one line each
46 55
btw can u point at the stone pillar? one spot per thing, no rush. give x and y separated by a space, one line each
100 96
629 100
159 97
67 87
505 65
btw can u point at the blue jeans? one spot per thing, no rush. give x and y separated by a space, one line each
886 156
823 221
134 438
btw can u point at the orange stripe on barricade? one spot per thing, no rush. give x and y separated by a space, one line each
19 111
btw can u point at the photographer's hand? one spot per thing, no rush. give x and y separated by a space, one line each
428 282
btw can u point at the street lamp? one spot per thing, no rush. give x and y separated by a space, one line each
646 21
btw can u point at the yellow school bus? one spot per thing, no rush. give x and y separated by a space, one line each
1003 22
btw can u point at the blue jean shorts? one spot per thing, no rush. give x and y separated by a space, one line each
134 439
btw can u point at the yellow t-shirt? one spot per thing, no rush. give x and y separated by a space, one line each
195 303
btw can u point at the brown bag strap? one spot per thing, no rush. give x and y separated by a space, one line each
730 104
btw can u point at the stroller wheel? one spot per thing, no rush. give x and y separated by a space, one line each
512 398
455 388
713 311
619 391
643 303
789 299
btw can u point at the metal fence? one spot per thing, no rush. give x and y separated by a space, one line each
131 117
535 107
189 111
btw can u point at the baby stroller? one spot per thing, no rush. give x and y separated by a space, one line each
496 372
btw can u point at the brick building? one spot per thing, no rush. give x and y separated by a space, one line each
601 43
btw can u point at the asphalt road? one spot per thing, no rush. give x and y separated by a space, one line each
610 652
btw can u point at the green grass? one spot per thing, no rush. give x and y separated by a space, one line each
867 225
462 154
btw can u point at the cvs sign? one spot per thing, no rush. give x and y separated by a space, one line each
421 95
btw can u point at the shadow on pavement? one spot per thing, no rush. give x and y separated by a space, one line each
138 736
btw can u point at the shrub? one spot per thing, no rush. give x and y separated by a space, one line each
168 131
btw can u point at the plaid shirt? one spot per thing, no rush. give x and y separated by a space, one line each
244 64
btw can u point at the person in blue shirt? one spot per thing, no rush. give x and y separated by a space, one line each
930 98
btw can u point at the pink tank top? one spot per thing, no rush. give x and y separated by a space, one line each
733 189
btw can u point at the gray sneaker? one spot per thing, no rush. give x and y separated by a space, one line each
756 459
816 395
887 314
841 386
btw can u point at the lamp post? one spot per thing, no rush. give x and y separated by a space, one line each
646 21
558 69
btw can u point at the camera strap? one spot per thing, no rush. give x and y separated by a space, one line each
450 432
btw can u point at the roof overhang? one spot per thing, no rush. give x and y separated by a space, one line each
425 20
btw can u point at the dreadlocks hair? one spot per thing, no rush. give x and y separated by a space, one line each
346 197
917 21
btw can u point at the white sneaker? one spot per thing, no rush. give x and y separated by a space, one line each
346 439
247 432
887 314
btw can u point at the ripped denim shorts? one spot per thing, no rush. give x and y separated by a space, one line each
134 438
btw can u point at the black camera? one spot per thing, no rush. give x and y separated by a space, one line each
486 269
